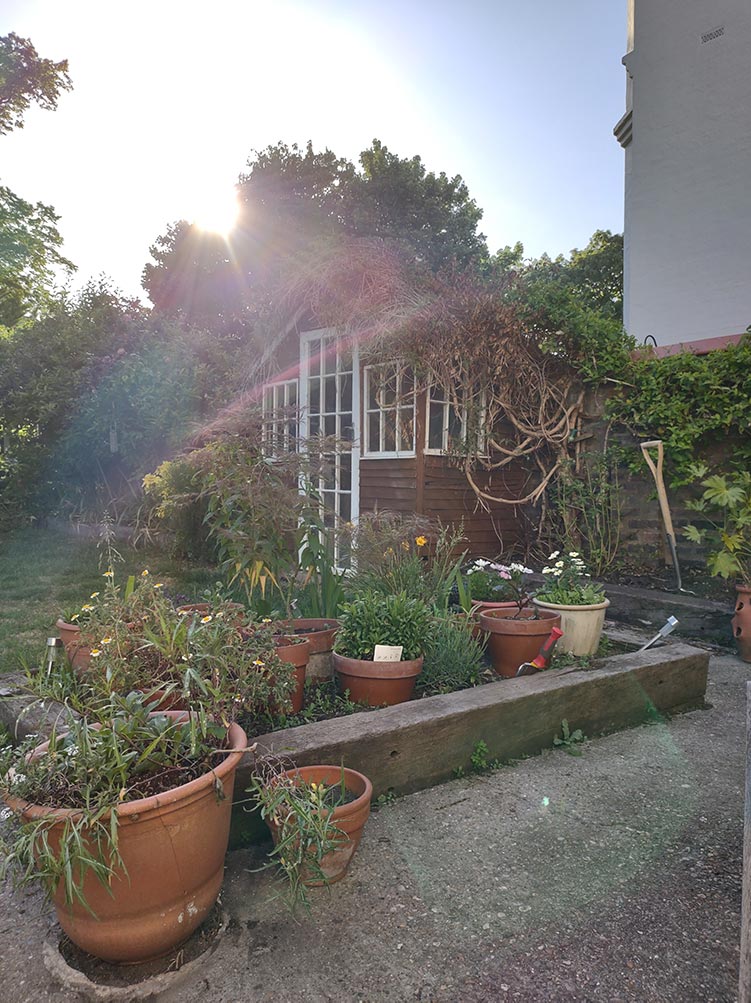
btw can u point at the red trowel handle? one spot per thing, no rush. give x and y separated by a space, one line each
546 651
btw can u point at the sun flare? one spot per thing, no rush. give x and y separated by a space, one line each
217 212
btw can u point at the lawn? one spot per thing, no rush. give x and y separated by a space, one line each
44 573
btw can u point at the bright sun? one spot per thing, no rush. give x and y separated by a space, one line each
217 212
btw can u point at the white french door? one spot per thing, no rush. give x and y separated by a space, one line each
330 406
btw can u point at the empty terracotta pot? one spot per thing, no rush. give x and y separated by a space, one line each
742 622
172 846
296 652
515 637
349 818
78 654
321 633
377 683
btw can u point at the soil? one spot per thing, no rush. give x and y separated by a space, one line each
104 974
696 580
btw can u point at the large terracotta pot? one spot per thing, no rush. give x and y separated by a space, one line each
581 625
78 654
349 818
377 683
172 846
295 652
742 622
321 634
515 637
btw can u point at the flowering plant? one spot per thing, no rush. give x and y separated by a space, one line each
567 583
486 581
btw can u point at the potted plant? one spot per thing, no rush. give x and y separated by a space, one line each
488 585
316 816
124 819
372 620
580 602
516 632
725 506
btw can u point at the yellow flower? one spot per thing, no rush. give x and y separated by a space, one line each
95 652
106 640
421 540
206 619
266 619
259 661
404 545
145 573
74 617
109 574
86 607
219 615
388 552
93 595
159 585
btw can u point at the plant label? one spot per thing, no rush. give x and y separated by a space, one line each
388 653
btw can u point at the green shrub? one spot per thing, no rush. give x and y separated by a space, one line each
374 619
453 657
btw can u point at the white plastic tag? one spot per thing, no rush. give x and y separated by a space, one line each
388 653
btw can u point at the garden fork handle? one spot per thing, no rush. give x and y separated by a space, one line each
660 483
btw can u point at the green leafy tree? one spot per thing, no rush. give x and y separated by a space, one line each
26 78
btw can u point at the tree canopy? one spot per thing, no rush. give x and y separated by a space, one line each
26 78
291 201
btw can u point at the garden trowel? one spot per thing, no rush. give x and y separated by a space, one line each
664 507
542 659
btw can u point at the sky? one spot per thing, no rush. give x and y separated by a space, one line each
171 97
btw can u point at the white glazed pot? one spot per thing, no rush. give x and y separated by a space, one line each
581 625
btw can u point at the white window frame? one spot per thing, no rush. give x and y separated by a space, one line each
275 423
447 405
382 454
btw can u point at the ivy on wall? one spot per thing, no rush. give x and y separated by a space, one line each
694 403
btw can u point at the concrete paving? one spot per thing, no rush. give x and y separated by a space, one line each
613 876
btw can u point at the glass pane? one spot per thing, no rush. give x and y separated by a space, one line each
329 499
329 473
292 394
435 426
388 396
455 427
345 361
314 396
315 357
406 429
389 431
407 387
373 377
314 424
329 394
345 507
346 428
374 432
345 471
438 393
329 356
345 393
329 424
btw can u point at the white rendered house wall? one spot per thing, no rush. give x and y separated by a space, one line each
687 140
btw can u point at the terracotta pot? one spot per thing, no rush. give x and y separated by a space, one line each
321 634
377 683
514 638
295 652
581 625
742 622
172 846
78 654
483 607
350 818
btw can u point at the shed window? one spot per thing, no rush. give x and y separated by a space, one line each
280 418
389 410
449 421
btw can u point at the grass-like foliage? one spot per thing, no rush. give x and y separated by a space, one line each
453 657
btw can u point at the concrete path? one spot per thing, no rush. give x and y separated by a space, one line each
614 876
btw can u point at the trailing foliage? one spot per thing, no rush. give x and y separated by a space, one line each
694 403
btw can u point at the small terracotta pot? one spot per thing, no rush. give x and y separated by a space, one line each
515 637
321 633
377 683
742 622
295 652
172 845
78 654
350 818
